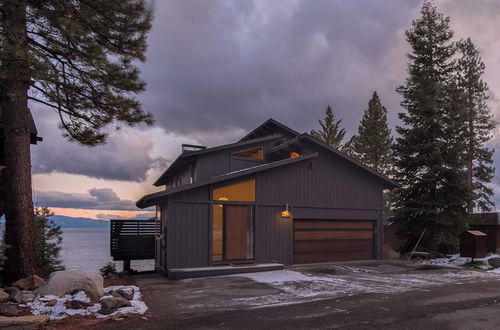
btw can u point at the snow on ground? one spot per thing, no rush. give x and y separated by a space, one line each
60 311
456 261
296 287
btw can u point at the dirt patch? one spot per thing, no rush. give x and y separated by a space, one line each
119 281
87 322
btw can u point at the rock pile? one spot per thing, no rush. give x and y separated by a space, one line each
64 294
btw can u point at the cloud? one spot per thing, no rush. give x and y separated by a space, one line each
98 199
126 157
217 68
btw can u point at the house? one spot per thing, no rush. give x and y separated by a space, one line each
34 139
274 196
488 223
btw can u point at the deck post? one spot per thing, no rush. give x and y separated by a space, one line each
126 266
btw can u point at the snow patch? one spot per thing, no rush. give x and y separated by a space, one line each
60 311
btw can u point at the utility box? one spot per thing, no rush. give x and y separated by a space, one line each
473 244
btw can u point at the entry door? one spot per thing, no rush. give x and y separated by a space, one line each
238 232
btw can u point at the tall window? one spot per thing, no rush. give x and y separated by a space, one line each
253 153
239 241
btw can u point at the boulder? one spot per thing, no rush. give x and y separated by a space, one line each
111 304
23 322
51 303
15 295
29 283
10 310
3 295
70 281
77 304
127 293
28 297
494 262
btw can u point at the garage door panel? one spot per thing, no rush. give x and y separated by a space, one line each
332 256
325 224
332 234
332 240
332 245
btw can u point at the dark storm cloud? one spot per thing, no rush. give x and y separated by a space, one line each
96 199
214 66
125 157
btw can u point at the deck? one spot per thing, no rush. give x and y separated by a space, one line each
132 240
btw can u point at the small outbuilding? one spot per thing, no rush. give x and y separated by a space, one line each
274 196
473 244
488 223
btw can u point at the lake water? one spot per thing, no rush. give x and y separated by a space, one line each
88 250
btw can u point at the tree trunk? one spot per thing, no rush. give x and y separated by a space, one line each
20 225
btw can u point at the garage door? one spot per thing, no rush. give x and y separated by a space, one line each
332 240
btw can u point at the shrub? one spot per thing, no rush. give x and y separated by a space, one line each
108 269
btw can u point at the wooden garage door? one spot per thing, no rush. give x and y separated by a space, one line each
332 240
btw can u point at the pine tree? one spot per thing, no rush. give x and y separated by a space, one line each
373 144
48 243
78 58
331 133
479 125
432 196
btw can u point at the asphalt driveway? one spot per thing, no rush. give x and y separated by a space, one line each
371 295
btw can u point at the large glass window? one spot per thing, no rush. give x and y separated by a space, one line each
231 224
253 153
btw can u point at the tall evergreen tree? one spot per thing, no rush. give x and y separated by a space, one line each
48 243
373 144
479 125
432 196
78 58
331 132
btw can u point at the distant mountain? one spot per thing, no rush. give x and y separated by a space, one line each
71 222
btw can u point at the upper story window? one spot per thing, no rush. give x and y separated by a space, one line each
252 153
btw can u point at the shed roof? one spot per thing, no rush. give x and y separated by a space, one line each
150 200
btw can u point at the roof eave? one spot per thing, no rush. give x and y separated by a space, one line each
149 200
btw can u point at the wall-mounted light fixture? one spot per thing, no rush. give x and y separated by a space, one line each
294 154
222 199
286 213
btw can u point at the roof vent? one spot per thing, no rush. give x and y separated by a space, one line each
192 147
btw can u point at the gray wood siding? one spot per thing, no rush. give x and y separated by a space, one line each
220 162
323 181
188 240
213 164
273 236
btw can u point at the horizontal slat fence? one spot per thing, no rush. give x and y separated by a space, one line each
132 239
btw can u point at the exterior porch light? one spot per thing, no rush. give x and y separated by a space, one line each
222 199
286 213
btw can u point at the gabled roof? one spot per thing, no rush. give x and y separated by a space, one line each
270 126
187 157
150 200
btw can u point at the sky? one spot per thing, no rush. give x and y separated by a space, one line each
217 69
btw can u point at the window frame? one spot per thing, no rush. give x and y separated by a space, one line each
248 158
